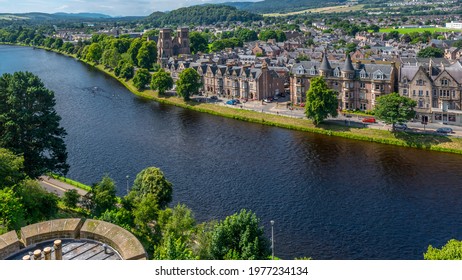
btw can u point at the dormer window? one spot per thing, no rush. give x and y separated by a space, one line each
312 71
363 74
444 82
336 73
300 70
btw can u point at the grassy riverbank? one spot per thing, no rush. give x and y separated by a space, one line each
421 141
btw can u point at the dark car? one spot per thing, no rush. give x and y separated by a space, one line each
400 126
444 130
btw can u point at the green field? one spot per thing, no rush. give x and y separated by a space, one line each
410 30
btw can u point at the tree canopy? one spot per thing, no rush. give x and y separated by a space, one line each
430 52
29 124
151 180
161 81
320 101
393 108
188 83
451 251
141 79
240 237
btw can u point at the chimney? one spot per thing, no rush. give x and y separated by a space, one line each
58 250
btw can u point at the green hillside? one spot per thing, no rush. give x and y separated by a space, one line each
278 6
201 15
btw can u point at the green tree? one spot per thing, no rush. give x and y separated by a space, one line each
161 81
430 52
94 52
29 124
350 47
11 211
451 251
71 198
11 168
103 196
151 180
133 50
147 54
111 58
177 228
320 101
240 237
198 42
38 204
141 79
188 83
393 108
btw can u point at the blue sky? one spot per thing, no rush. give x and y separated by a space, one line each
109 7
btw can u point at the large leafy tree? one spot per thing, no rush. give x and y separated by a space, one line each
177 226
11 211
161 81
198 42
133 50
188 83
393 108
430 52
147 54
141 79
240 237
11 168
320 101
151 180
29 124
451 251
94 52
38 204
103 196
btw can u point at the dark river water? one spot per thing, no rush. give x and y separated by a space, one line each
330 198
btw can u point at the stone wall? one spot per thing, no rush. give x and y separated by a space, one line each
118 238
126 244
9 244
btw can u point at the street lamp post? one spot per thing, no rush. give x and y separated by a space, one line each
272 239
127 182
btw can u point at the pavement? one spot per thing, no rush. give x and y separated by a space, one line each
279 107
57 187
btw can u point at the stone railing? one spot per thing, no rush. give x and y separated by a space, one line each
126 244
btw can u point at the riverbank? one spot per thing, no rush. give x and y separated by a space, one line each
420 141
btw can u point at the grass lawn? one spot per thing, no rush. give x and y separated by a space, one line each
410 30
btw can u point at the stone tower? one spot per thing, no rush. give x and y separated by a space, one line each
168 46
183 41
165 44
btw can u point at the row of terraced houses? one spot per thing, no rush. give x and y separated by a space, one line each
435 84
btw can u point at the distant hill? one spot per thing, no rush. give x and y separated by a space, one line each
201 15
51 17
82 15
280 6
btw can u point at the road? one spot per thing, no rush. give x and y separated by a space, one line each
57 187
279 107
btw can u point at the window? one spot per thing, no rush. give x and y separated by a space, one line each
363 74
452 118
444 82
362 95
405 92
434 92
419 82
426 93
420 92
413 92
453 93
362 85
336 73
346 94
421 103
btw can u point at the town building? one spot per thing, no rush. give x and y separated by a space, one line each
436 86
358 85
169 46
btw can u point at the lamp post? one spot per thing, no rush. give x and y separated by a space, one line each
272 239
127 182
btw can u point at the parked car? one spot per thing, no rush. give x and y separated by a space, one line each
444 130
214 97
400 126
231 102
267 100
369 120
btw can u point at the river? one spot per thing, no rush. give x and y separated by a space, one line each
330 198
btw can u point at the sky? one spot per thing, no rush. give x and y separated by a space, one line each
109 7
